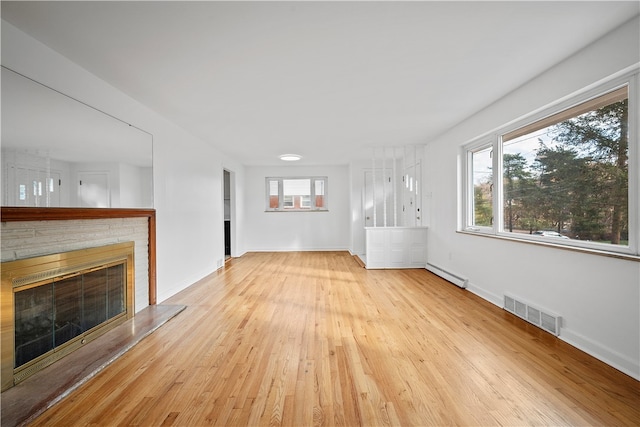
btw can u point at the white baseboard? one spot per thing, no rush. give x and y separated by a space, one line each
492 298
299 250
620 362
600 352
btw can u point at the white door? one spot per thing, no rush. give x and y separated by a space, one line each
33 187
412 195
93 190
52 191
22 190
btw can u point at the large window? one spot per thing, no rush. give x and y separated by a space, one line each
565 177
296 194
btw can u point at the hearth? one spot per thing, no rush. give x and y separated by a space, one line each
54 304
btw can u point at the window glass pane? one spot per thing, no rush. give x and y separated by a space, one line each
482 175
569 179
273 188
288 201
319 191
297 193
296 187
273 194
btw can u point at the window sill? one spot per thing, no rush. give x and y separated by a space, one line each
297 210
627 257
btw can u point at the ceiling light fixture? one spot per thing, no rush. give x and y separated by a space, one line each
290 157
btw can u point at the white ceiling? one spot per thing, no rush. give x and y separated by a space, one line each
325 80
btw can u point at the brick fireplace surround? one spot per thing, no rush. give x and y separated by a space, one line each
29 232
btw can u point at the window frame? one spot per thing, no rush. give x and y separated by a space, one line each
494 140
469 217
312 194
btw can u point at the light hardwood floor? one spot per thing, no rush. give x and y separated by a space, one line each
314 339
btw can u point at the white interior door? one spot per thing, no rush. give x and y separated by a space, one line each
21 193
30 186
412 196
53 187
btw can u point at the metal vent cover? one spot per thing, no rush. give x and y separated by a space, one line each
534 315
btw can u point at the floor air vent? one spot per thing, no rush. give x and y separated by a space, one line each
544 320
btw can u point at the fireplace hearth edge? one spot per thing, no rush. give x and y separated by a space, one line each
26 401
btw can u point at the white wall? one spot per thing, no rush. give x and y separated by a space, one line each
597 296
187 172
358 240
289 231
133 180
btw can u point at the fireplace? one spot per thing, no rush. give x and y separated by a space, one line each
54 304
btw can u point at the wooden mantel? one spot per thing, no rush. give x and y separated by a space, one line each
23 213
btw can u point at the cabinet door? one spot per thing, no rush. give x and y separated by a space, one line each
418 248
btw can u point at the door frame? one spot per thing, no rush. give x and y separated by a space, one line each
232 211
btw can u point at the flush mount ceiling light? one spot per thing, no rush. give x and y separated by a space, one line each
290 157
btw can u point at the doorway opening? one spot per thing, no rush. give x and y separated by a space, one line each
227 213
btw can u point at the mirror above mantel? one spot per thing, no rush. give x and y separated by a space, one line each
60 152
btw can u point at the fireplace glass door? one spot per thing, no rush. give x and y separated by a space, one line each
51 314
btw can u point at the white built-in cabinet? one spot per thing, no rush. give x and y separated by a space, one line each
396 247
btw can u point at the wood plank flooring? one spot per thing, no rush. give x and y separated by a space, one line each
312 338
31 397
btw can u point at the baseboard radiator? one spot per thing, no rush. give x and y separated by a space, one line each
541 318
448 276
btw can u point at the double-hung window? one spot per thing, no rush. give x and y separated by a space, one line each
567 176
296 194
